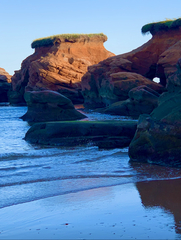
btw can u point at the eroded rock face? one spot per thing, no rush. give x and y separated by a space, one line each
58 67
153 59
141 100
156 142
157 138
101 92
5 80
48 105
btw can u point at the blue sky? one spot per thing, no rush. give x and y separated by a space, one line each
121 20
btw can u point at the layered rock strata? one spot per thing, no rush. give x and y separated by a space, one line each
156 58
58 64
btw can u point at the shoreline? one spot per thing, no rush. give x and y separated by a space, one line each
118 212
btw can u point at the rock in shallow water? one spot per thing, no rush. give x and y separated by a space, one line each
49 106
105 134
156 142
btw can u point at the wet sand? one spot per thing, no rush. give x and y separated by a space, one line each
145 210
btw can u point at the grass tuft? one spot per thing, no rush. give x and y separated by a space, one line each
161 26
51 40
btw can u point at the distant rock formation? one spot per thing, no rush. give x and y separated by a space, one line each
58 64
47 105
156 58
5 80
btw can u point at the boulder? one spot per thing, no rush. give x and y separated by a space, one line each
141 100
105 134
101 92
156 142
5 84
58 64
48 105
98 85
157 138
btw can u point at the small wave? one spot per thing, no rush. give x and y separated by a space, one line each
69 189
19 168
24 199
101 154
8 169
100 176
45 152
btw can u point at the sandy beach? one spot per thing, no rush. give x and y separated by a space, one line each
145 210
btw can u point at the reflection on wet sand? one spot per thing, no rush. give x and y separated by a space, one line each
165 194
160 186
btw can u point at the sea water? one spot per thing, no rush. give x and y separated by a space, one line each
31 172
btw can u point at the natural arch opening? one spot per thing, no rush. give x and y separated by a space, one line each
156 79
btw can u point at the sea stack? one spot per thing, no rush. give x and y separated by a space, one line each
58 64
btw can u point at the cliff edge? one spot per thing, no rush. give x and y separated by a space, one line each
156 58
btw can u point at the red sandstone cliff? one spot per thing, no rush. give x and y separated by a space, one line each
156 58
59 66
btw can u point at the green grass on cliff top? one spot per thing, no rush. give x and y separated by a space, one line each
48 41
161 26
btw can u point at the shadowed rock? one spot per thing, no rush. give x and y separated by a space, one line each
100 91
105 134
49 106
157 138
141 100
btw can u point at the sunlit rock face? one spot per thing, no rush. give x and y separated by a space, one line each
59 66
156 58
